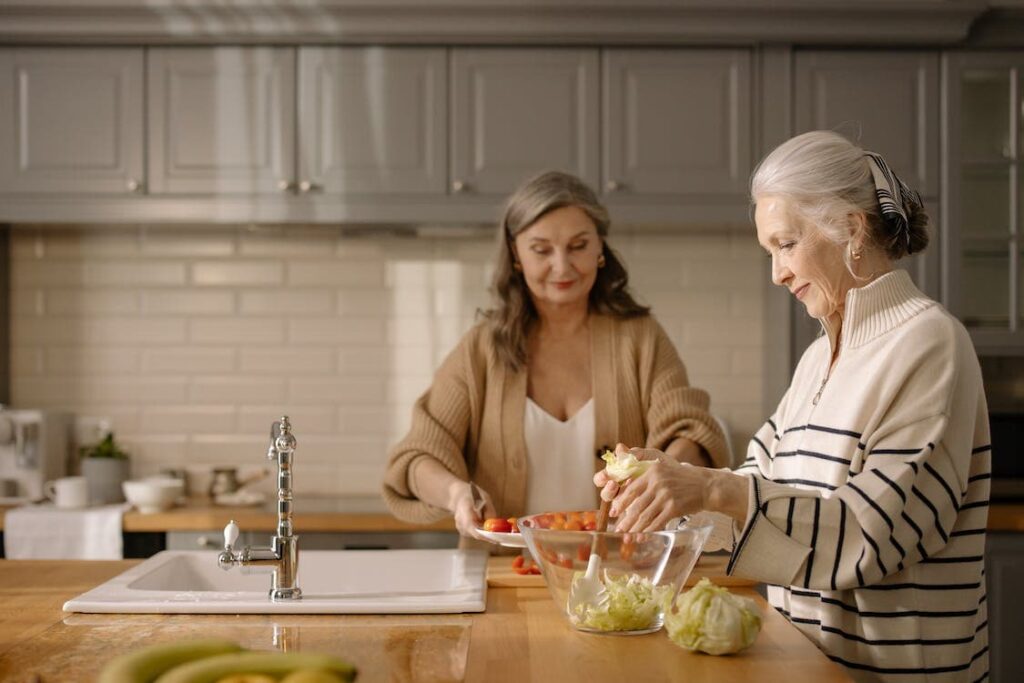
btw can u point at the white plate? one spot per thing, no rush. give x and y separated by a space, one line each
509 540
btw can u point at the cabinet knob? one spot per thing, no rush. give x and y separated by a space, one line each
459 186
205 541
285 185
613 186
305 187
133 185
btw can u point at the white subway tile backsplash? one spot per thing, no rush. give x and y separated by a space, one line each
164 241
68 242
333 330
91 301
292 241
336 390
118 273
237 273
286 360
192 340
338 273
236 330
87 331
28 302
190 419
188 301
26 360
237 390
188 360
77 360
286 302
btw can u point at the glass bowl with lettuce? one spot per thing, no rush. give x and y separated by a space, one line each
640 574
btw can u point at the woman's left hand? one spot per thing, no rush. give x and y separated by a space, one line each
668 489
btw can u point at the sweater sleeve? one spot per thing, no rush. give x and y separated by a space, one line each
897 510
440 426
676 409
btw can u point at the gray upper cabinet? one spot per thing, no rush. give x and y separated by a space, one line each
71 120
519 111
983 196
221 120
887 102
373 120
676 122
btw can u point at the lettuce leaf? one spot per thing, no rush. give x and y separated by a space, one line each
621 468
630 603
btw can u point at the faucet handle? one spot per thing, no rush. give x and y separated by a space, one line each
230 535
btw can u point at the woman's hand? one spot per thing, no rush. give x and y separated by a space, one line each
460 502
666 490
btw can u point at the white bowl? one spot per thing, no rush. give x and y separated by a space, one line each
153 495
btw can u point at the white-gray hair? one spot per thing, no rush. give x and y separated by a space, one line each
827 178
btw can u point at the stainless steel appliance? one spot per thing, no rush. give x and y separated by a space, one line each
33 450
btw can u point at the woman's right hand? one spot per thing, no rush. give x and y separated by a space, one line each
460 502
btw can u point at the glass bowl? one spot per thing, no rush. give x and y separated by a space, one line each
641 573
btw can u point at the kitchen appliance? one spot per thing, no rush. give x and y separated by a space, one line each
33 450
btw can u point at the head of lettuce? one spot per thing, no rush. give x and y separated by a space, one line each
710 619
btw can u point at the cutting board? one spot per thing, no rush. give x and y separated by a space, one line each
501 575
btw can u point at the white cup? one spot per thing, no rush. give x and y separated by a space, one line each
68 492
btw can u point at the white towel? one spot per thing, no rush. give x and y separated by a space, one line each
46 532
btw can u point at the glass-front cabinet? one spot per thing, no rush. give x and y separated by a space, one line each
983 198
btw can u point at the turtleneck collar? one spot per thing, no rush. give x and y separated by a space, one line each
876 308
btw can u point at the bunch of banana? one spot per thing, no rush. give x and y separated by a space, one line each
223 661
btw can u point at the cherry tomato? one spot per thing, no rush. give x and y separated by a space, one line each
497 525
515 524
564 561
518 561
573 525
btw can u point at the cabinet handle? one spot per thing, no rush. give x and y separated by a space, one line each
285 185
133 185
613 186
305 187
459 186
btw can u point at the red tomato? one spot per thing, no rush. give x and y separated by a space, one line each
498 525
518 562
515 524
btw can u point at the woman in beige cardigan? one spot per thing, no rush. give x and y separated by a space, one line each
566 365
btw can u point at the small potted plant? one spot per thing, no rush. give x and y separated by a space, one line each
105 468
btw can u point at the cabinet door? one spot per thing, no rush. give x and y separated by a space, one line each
887 102
221 120
517 112
373 120
71 120
1004 566
676 122
983 273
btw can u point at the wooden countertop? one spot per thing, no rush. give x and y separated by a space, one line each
315 515
521 637
201 516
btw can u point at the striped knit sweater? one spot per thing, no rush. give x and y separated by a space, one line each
869 493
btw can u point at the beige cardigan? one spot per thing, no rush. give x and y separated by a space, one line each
471 418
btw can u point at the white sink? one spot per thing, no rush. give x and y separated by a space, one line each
332 582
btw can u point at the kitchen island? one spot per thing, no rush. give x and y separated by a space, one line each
521 637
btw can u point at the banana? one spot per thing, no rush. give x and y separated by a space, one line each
311 676
212 669
145 664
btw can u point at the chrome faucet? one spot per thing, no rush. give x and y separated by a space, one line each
283 553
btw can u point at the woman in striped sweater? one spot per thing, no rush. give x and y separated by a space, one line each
863 500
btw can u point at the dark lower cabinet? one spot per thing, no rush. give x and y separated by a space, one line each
1004 570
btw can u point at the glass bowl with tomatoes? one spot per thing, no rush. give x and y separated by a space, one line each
638 575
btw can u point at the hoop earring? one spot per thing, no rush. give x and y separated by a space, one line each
600 261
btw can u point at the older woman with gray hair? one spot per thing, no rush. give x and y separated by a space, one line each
863 499
565 363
